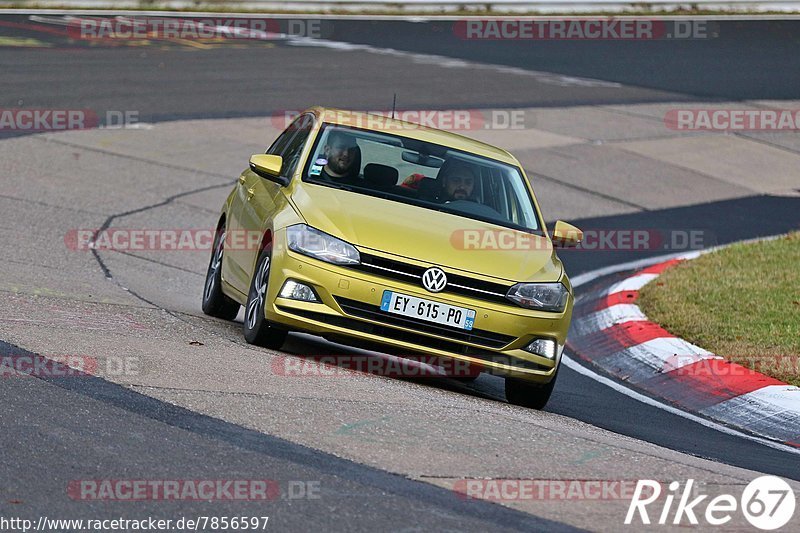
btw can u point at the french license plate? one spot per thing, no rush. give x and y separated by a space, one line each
411 306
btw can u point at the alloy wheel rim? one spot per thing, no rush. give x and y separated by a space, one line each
257 300
216 261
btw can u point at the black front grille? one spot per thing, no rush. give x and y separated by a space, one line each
474 336
415 338
456 284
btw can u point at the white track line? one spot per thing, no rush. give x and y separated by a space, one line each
622 389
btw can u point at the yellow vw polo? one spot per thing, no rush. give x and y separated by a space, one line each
365 229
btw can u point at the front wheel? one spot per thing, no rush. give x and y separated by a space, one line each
215 303
528 394
256 329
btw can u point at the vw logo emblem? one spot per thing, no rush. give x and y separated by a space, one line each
434 279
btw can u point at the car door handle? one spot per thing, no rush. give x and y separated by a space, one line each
241 179
250 193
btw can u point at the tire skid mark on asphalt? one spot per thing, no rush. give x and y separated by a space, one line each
139 159
107 223
61 312
49 206
214 212
68 321
766 142
616 199
157 262
168 200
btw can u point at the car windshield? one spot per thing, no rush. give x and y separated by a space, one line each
427 175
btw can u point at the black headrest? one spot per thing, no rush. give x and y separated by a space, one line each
447 168
430 190
356 168
380 176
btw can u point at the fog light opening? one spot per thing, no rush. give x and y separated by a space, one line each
294 290
544 347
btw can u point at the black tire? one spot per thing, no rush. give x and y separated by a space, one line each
528 394
215 303
256 329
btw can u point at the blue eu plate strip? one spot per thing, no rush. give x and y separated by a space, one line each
387 297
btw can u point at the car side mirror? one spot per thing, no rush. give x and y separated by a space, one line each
566 235
269 167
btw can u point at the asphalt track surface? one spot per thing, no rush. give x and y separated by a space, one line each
747 60
111 428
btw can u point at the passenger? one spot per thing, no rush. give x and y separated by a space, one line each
412 181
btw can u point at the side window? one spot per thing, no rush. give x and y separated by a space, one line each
283 139
294 148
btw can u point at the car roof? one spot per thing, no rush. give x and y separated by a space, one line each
374 122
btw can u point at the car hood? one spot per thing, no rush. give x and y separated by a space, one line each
429 236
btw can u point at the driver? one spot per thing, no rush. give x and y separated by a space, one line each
459 182
341 152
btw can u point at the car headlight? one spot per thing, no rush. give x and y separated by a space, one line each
542 296
315 243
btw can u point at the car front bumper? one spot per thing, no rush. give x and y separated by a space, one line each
349 308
